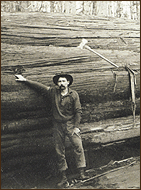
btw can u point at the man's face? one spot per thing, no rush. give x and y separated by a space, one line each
63 83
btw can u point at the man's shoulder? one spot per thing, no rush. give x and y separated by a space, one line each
54 89
73 92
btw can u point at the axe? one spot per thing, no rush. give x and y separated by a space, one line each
83 44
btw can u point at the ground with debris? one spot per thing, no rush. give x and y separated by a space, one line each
121 174
126 178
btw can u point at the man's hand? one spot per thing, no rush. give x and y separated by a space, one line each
76 131
20 78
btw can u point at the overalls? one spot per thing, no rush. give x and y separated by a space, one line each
63 124
61 130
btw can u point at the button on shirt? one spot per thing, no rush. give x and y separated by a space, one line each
66 104
66 107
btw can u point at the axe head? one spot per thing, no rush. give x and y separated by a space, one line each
82 44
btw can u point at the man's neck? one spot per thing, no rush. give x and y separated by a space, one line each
64 92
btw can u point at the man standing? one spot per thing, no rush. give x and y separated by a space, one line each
66 114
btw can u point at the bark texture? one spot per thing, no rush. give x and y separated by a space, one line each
38 47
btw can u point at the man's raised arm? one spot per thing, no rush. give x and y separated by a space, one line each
35 85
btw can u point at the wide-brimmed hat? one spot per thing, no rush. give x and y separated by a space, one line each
62 74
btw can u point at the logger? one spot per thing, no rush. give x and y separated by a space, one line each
66 114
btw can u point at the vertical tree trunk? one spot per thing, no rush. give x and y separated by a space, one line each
73 7
124 9
63 7
67 6
138 9
101 8
51 6
57 6
79 6
46 6
88 7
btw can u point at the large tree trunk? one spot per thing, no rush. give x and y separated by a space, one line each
104 90
101 96
27 147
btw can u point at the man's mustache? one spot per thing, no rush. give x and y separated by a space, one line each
62 86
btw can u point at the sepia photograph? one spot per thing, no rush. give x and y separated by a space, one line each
70 94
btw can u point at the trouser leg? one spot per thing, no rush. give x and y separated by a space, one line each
78 150
64 182
59 139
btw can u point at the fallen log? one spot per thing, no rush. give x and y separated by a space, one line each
32 146
104 91
53 29
41 138
93 87
107 89
17 120
16 126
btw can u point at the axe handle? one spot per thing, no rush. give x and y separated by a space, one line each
87 47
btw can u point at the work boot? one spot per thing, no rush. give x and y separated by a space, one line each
64 182
82 174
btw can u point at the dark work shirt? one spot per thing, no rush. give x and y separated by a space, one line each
64 108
